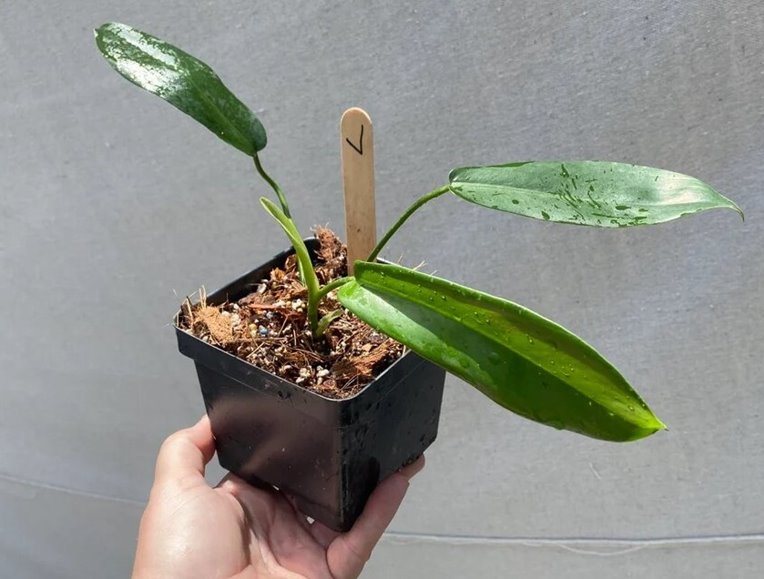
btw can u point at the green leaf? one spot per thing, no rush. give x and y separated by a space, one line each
596 193
519 359
183 81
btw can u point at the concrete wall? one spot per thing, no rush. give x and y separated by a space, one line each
112 205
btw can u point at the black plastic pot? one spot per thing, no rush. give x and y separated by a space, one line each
329 454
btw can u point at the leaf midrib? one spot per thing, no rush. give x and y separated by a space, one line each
490 336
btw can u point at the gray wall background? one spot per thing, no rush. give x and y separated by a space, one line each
113 205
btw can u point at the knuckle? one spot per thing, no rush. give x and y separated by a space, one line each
173 440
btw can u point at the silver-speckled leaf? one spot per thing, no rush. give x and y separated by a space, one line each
596 193
183 81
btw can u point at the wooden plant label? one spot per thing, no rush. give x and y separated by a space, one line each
358 183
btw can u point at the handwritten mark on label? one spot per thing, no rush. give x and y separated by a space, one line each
358 149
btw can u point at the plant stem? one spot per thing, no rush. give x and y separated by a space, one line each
332 285
303 259
311 283
315 299
323 323
273 184
402 219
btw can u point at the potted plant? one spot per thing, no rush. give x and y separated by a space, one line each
302 366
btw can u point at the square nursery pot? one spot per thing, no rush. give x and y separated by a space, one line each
329 454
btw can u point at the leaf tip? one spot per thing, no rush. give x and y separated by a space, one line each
105 27
730 204
98 32
656 425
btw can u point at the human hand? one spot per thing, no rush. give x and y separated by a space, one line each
191 530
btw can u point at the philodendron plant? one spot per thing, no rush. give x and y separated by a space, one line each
521 360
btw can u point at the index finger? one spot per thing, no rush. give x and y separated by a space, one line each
348 553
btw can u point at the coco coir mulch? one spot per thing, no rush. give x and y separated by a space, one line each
269 329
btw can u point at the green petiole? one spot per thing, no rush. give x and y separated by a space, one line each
402 219
273 184
303 259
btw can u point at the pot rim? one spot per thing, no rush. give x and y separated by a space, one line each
285 254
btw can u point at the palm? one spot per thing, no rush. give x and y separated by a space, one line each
236 530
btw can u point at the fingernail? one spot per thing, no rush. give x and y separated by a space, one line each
409 471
